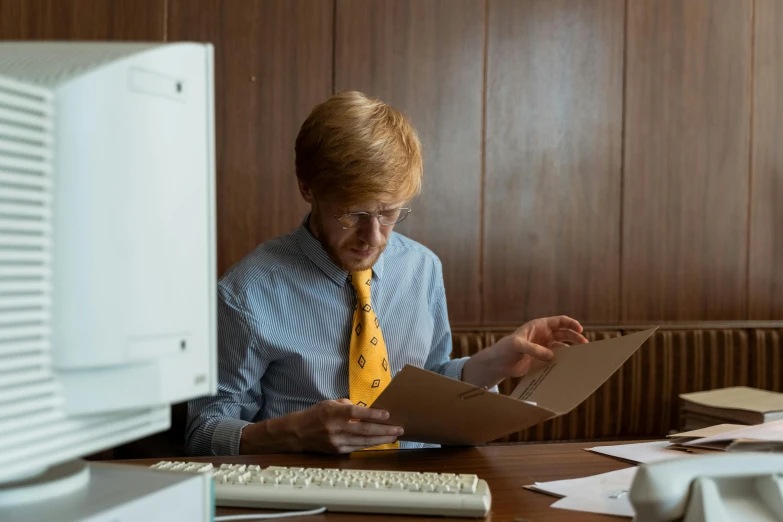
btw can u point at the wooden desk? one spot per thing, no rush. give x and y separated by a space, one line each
505 467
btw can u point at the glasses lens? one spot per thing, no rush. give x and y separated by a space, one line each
348 220
387 218
392 217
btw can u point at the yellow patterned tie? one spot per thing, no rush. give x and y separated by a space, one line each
368 369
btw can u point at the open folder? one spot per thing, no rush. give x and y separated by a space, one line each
436 409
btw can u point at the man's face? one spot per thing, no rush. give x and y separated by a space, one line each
355 248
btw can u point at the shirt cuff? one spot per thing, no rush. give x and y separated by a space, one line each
226 437
454 368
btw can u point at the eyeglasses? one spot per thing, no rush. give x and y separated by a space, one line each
386 218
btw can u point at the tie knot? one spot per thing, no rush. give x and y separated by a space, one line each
361 282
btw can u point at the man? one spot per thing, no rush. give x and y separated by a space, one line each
313 325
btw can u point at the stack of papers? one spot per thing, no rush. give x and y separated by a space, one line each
606 493
642 452
739 405
731 437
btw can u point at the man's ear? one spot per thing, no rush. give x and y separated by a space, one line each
305 191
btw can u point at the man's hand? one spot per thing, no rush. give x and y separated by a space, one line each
329 426
342 427
513 354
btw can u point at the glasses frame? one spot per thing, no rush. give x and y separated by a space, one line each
404 212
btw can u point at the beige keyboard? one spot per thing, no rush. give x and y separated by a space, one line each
358 491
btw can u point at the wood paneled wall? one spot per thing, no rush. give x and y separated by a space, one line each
273 63
616 160
83 20
426 58
686 160
765 251
553 144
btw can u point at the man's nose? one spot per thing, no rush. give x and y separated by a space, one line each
370 232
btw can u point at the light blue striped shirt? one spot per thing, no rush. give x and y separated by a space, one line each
284 328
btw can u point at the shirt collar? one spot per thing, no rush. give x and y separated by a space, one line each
314 250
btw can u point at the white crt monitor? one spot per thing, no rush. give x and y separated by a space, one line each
107 244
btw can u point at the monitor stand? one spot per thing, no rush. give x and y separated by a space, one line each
57 481
79 491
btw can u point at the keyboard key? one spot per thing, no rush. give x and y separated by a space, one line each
468 488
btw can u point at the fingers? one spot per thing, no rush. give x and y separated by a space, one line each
367 414
568 336
352 443
537 351
353 435
338 426
563 322
345 409
371 429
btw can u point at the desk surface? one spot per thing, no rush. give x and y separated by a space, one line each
506 468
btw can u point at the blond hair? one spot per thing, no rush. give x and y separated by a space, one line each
357 148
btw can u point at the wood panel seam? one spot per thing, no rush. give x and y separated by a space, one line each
749 225
334 44
621 225
482 196
165 20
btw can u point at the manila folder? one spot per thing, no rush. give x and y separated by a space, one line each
436 409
